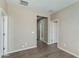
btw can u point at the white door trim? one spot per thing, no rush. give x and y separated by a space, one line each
5 37
4 30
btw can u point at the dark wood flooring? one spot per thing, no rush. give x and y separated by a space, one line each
42 51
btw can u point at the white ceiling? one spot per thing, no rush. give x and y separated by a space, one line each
47 6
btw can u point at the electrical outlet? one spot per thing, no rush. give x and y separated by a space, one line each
32 32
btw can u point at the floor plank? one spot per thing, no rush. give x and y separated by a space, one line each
42 51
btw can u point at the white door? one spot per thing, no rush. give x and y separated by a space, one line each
55 30
1 35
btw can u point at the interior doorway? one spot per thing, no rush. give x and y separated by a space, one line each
42 29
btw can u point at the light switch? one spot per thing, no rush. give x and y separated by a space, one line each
32 32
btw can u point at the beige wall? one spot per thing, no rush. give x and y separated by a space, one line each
22 22
69 29
3 5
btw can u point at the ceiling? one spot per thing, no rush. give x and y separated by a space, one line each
47 6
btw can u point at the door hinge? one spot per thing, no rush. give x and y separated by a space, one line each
3 48
3 34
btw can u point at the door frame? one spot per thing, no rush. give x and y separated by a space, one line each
5 31
39 19
5 36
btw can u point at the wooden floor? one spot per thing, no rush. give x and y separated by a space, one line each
42 51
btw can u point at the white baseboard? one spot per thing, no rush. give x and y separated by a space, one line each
49 43
44 41
21 50
69 52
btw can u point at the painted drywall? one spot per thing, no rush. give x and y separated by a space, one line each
69 29
3 5
22 33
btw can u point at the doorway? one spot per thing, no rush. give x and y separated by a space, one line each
42 30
